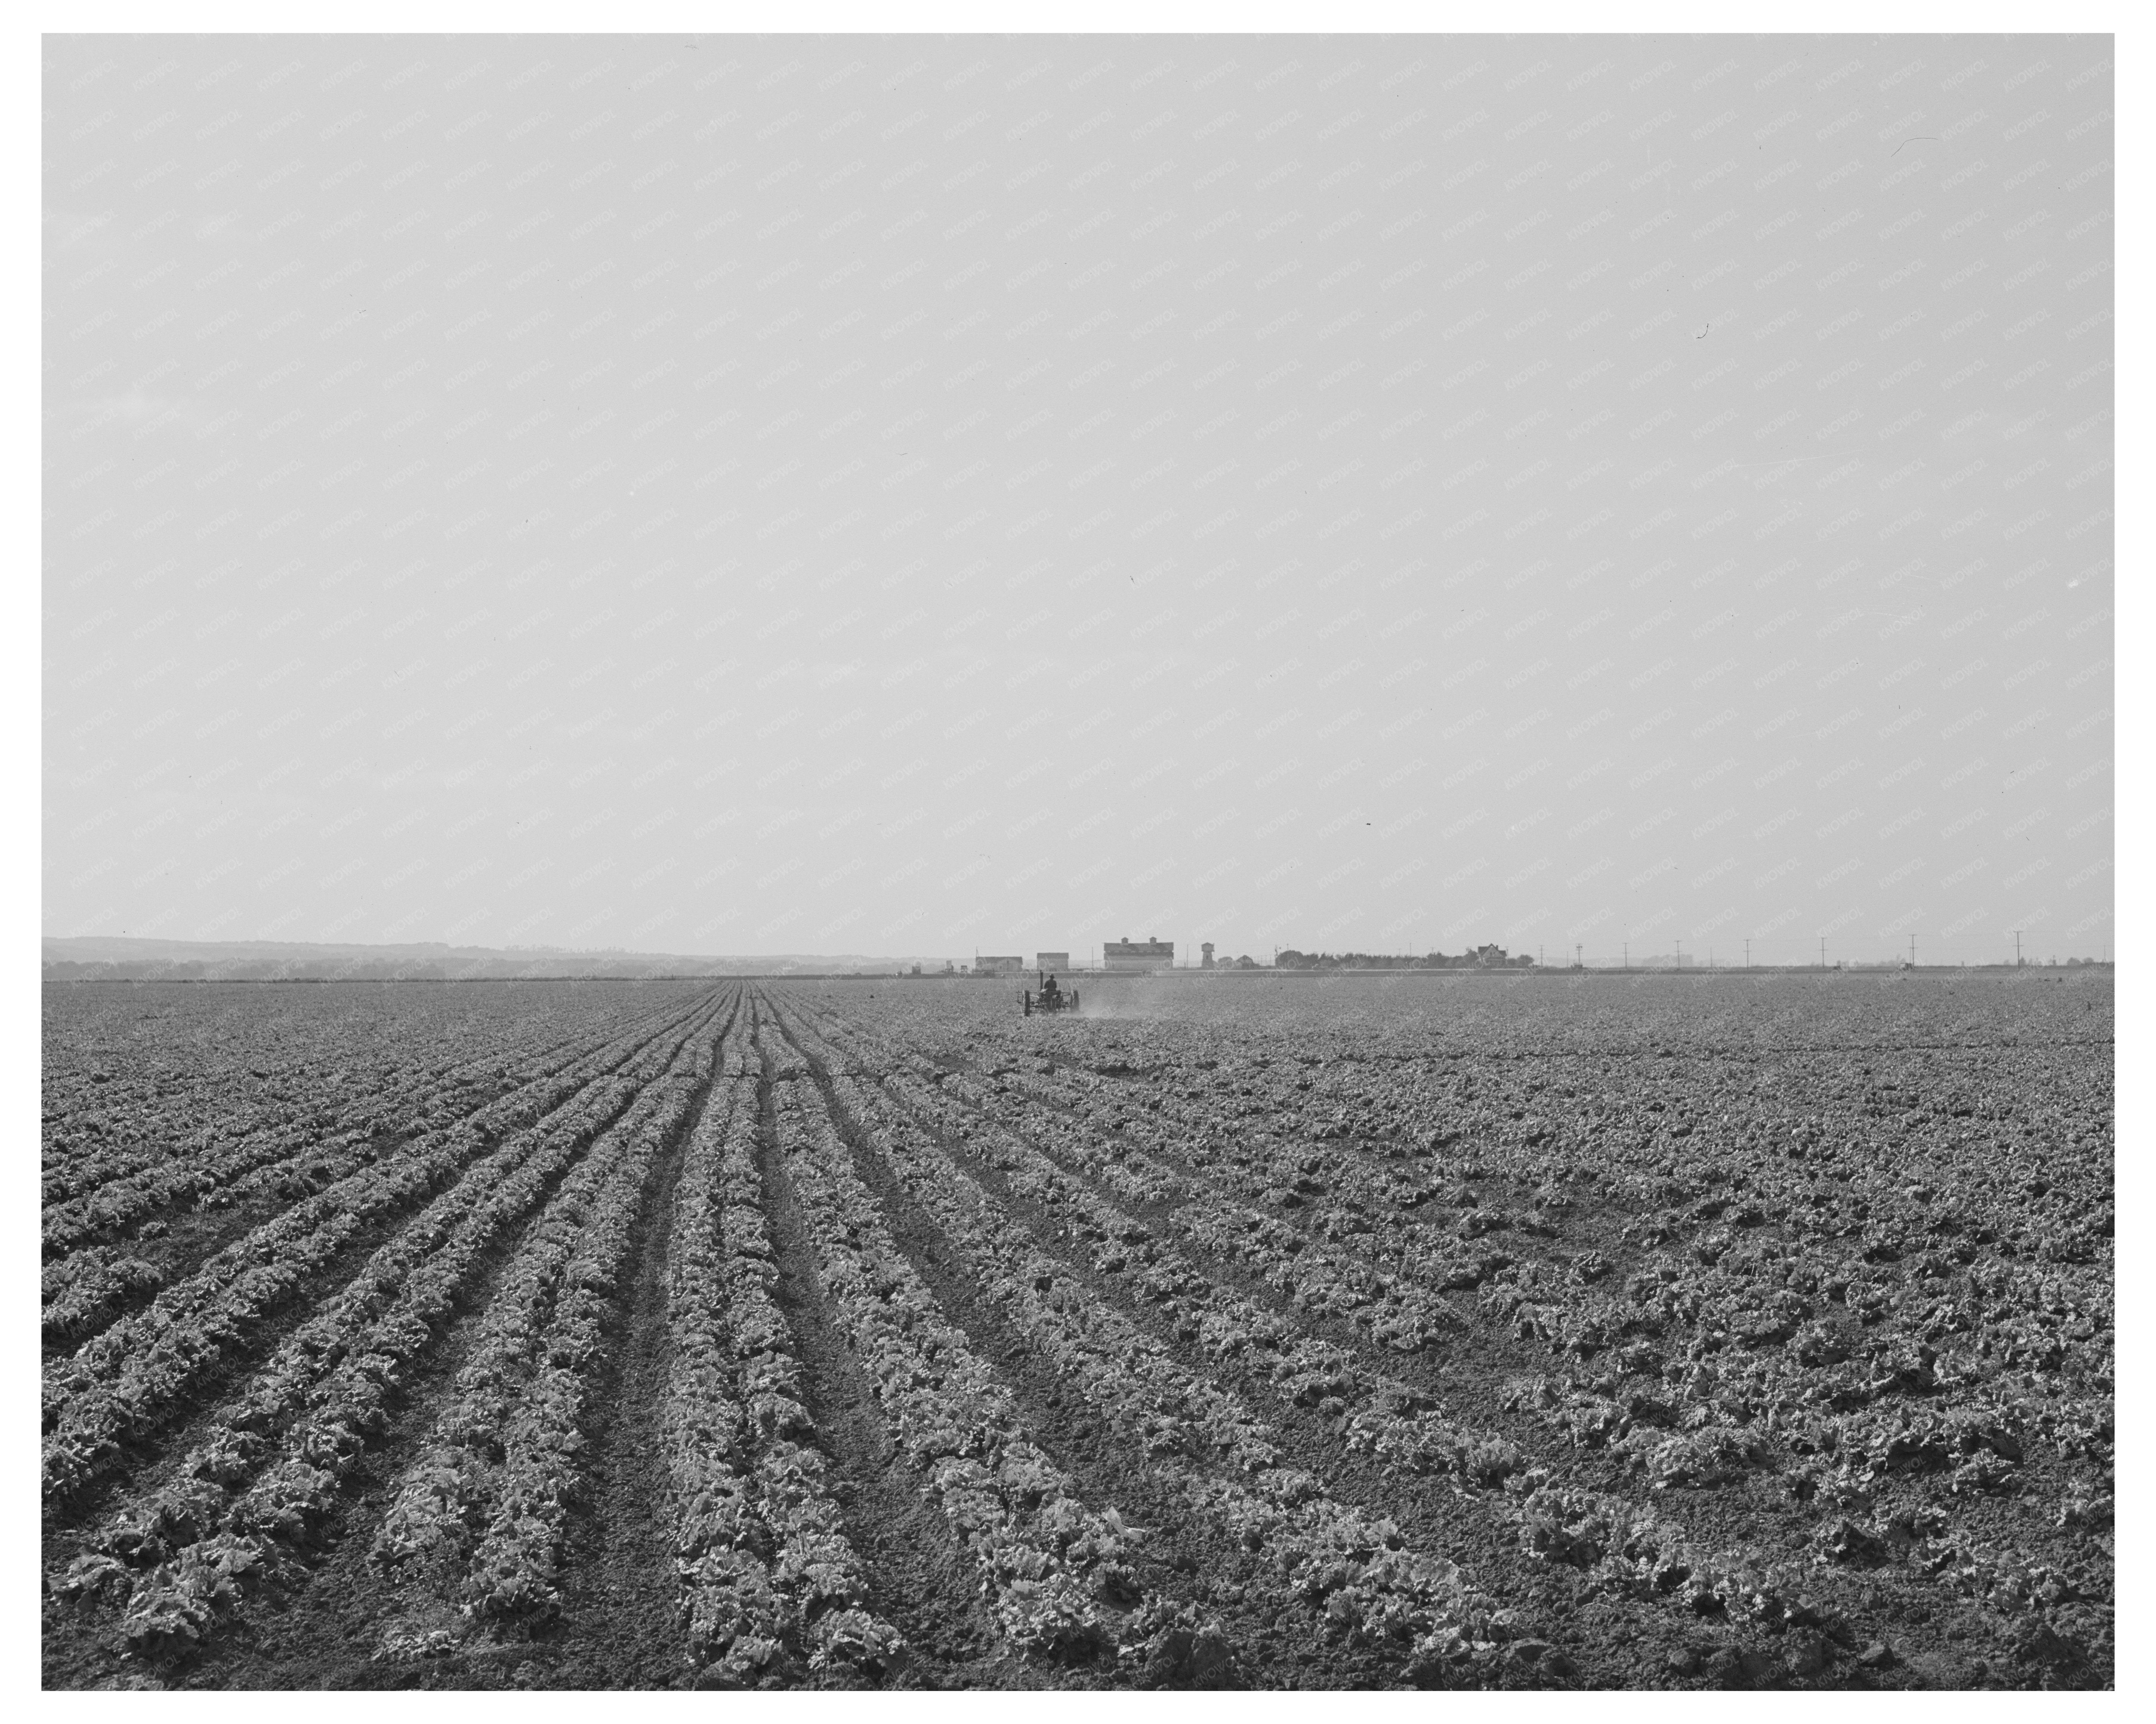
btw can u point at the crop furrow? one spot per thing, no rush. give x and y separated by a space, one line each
1635 1429
478 1519
292 1160
108 1192
255 1494
1373 1588
765 1569
1057 1571
1627 1548
125 1382
1764 1421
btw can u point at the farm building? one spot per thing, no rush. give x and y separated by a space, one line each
1137 955
1014 965
1051 961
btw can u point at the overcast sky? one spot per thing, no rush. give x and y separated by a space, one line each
933 495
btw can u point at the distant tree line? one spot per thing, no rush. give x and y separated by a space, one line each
1479 957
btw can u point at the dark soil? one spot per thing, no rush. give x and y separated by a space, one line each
324 1634
1274 1648
920 1579
1467 1372
619 1626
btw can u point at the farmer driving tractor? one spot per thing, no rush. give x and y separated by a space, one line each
1051 997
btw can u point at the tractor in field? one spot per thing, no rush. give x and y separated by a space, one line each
1049 998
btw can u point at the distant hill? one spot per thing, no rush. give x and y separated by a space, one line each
123 958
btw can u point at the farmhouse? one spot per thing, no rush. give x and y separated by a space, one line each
1014 965
1138 956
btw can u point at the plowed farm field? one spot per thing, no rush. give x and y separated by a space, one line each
1265 1332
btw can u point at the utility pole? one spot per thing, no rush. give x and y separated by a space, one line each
1748 952
1680 957
2017 948
1822 952
1576 963
1628 954
1912 951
